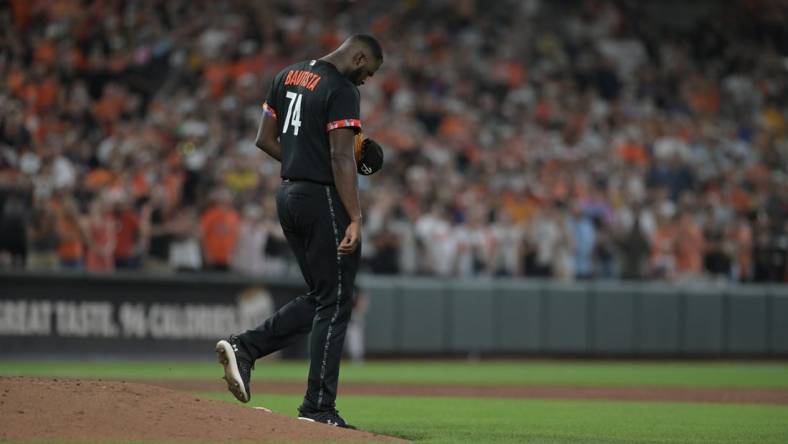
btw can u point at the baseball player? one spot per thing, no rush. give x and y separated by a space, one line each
311 124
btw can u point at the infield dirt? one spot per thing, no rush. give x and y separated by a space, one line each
94 410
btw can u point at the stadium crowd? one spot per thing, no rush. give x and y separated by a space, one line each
568 139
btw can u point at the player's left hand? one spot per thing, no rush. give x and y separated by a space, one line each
369 155
352 238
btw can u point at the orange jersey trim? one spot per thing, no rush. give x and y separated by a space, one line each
345 123
270 112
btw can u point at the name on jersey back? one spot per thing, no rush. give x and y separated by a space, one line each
308 80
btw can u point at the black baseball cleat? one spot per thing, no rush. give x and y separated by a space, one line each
330 417
237 365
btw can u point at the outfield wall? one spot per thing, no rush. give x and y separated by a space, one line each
182 315
588 318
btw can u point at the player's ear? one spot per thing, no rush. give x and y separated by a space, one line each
359 59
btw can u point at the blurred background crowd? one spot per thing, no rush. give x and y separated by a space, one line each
563 139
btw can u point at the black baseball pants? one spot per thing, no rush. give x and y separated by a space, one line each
314 222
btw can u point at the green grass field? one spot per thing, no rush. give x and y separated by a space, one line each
608 373
473 420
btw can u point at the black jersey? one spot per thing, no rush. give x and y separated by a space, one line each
309 99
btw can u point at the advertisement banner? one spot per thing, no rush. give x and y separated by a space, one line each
131 315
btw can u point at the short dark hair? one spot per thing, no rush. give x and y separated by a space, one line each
371 43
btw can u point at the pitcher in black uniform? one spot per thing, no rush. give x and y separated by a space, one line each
310 123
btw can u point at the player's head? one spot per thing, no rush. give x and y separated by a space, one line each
362 57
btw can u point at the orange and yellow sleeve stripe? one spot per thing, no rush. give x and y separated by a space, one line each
268 110
344 123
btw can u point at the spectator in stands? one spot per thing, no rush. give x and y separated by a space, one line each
635 250
249 253
689 246
545 233
386 251
71 236
219 227
403 223
101 237
475 241
663 246
157 218
718 254
43 240
435 234
584 235
14 216
578 101
185 254
564 266
740 237
770 251
129 237
509 237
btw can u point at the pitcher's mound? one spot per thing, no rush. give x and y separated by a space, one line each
94 410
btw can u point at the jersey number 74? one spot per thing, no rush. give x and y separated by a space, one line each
294 112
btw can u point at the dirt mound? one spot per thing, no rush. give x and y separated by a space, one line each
96 410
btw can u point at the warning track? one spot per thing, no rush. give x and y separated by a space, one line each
656 394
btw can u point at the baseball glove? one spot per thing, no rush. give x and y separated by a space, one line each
369 155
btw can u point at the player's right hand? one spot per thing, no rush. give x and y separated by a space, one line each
352 238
